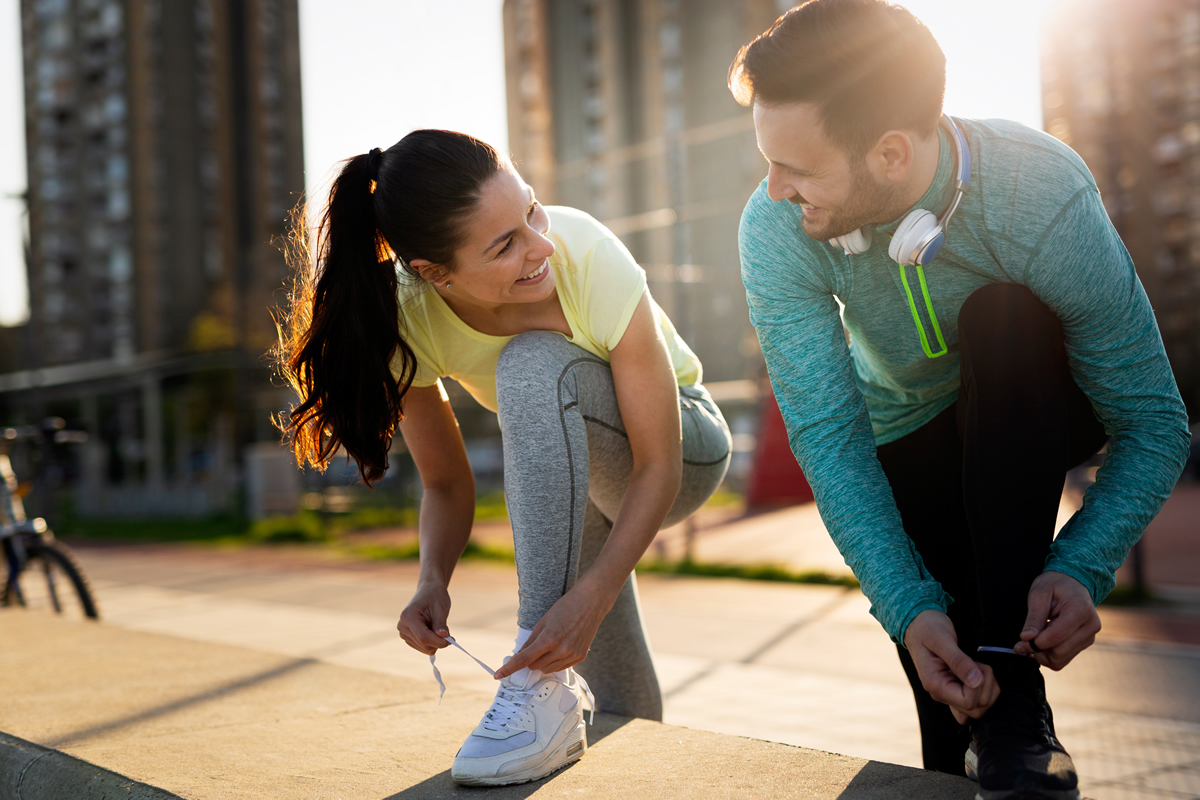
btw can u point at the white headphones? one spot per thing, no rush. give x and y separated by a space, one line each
920 235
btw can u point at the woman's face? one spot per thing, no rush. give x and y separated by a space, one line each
504 257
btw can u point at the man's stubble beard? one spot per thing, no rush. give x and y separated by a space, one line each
867 202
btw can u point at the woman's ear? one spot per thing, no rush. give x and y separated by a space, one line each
429 272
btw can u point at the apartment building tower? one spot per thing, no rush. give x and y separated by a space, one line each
620 108
1121 85
164 154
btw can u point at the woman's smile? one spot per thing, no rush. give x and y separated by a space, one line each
537 276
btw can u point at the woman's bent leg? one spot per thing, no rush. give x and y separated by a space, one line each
540 380
564 442
620 666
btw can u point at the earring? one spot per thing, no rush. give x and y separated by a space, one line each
448 284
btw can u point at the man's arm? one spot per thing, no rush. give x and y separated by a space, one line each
802 341
1081 270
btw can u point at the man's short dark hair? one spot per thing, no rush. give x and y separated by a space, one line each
869 65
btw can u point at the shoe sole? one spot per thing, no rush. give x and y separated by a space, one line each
971 761
571 750
1023 794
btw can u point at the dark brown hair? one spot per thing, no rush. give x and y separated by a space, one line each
870 66
341 334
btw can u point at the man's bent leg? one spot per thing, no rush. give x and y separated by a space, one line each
1023 422
923 469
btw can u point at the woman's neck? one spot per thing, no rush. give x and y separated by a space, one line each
509 319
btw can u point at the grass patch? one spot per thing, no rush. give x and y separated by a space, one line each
490 507
751 572
303 528
1125 595
206 529
412 551
724 498
374 517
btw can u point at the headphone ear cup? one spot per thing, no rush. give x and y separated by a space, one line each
910 235
855 242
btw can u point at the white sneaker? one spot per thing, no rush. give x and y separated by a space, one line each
534 727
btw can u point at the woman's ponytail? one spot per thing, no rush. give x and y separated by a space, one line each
342 331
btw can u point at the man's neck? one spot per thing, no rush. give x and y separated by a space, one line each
926 154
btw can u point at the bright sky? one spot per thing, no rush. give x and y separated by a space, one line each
372 70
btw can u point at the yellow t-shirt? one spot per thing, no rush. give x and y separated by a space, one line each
599 285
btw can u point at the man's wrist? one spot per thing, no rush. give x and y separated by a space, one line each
912 615
1083 578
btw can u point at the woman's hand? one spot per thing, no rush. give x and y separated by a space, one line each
562 637
422 624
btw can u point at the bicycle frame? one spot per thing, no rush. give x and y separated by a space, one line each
15 529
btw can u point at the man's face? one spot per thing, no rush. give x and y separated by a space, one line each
836 195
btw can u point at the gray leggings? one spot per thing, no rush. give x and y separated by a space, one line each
567 462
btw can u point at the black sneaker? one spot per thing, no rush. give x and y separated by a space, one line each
1014 754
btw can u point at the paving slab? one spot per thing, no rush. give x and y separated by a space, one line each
206 721
800 665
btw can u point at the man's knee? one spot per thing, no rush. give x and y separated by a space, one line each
1006 327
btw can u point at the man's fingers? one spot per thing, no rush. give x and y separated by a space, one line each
1072 621
1040 600
963 667
990 690
1062 655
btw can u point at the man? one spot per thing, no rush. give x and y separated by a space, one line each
937 439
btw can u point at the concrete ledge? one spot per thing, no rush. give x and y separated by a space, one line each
208 722
30 771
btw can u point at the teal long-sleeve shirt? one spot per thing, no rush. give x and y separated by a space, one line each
1032 216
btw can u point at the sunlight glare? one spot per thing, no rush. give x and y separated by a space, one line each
992 57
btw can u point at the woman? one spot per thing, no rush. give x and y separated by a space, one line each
544 317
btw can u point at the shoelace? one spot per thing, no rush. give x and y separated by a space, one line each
510 705
1019 720
438 675
519 697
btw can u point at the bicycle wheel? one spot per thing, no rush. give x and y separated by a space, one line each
54 582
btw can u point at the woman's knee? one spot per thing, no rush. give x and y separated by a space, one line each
533 358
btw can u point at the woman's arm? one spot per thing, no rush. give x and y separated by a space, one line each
447 511
648 398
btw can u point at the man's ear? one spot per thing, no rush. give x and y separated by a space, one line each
892 156
430 272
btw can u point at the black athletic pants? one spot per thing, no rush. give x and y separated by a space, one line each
978 487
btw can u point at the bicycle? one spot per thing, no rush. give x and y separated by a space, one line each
29 545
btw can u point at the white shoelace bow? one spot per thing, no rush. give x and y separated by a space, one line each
509 700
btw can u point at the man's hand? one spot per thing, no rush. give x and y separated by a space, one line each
947 673
1062 620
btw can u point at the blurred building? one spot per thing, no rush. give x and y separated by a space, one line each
620 108
1121 81
164 154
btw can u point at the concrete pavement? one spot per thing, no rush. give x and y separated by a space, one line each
802 665
200 720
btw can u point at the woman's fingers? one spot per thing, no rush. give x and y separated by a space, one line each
527 656
417 632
